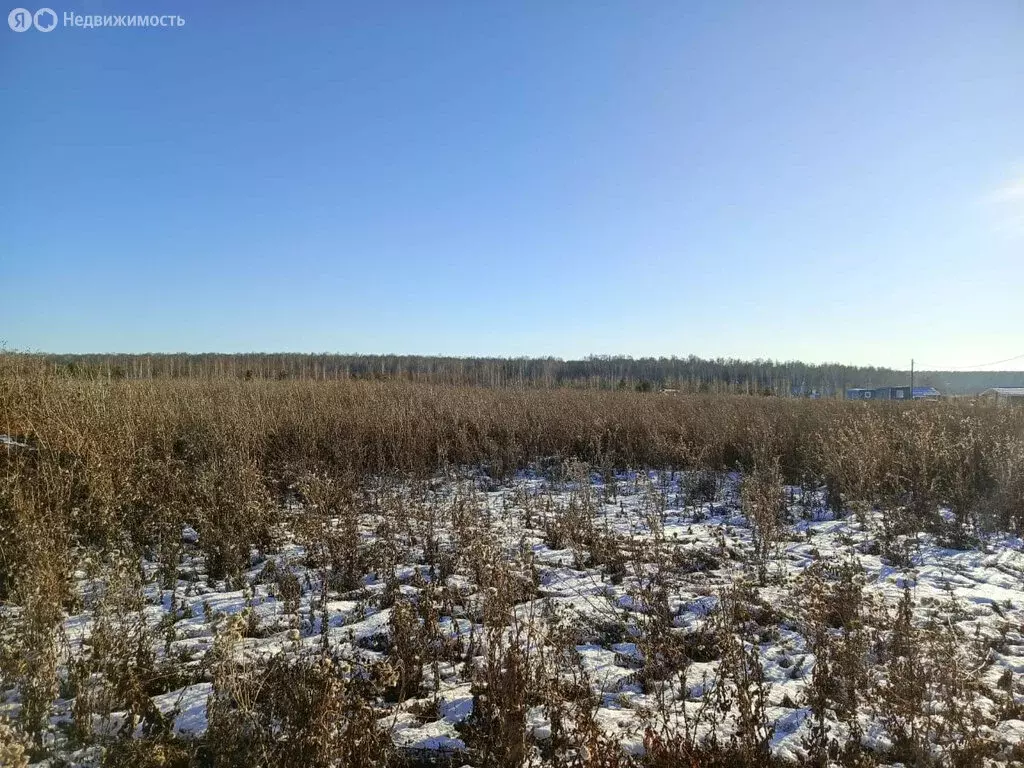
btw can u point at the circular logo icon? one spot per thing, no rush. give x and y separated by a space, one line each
20 20
45 20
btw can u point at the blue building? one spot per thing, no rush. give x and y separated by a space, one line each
880 393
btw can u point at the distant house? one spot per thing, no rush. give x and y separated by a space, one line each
1005 395
803 391
926 393
879 393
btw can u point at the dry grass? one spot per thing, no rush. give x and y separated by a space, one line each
111 471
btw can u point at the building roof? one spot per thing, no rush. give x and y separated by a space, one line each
926 392
1005 391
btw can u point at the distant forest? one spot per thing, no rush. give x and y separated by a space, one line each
687 374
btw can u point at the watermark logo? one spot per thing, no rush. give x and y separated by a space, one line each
46 20
20 20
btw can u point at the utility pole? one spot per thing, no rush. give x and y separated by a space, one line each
911 378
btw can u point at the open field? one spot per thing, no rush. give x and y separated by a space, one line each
512 385
368 573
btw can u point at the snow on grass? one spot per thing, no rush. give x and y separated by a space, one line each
980 592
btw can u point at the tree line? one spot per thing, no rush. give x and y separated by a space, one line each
684 374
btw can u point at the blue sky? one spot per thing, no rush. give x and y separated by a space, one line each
820 181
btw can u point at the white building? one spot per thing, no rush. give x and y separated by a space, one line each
1005 395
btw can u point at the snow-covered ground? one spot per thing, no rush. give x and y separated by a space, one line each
695 553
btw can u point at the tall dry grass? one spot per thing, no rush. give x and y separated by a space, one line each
118 468
142 458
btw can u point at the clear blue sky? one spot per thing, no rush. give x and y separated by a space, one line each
816 180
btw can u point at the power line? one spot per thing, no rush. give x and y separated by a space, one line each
979 365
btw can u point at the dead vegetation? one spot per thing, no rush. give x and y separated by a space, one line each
133 504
